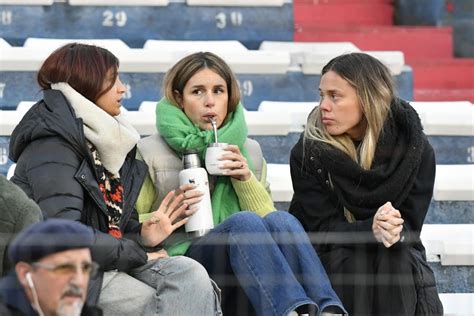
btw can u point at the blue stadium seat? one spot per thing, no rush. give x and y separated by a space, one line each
138 23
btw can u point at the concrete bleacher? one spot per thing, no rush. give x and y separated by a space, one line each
450 247
263 74
148 40
449 126
312 56
137 21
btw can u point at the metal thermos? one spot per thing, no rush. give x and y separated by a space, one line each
201 222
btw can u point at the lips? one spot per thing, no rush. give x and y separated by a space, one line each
326 120
209 115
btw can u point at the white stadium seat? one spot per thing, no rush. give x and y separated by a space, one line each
312 56
195 46
296 111
457 304
446 118
236 3
454 118
36 50
298 51
454 183
4 43
114 45
119 2
27 2
452 244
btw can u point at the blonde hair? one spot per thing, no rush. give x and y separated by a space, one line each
177 77
375 89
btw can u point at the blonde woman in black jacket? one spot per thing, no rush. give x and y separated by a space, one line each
363 175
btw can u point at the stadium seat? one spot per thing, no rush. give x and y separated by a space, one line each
312 56
119 2
195 46
237 3
50 44
457 304
453 182
27 2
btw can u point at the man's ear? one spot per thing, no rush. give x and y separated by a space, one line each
21 269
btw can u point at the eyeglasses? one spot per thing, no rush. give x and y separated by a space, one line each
68 269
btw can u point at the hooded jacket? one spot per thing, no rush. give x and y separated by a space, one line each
55 168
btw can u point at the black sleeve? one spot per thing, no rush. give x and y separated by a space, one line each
50 169
318 209
416 205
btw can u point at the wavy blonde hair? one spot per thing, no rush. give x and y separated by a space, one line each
375 89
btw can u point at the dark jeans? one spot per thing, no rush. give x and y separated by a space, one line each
270 258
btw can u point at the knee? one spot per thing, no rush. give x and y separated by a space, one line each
192 272
245 221
282 220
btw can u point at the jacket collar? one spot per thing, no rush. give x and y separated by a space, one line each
14 296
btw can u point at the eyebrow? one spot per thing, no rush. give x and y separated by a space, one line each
330 90
202 86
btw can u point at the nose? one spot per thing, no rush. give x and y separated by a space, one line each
325 104
80 278
121 87
209 100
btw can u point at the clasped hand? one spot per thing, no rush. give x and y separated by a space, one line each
387 225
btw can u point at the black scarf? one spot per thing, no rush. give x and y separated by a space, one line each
393 171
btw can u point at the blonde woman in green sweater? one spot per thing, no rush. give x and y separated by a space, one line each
253 248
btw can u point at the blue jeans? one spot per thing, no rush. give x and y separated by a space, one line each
166 286
271 258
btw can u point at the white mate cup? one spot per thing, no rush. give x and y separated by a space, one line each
213 153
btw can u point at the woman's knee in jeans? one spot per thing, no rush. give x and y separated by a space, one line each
191 272
282 220
245 221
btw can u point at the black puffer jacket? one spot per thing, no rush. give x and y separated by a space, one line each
55 168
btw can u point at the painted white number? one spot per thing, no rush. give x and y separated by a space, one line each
128 94
247 88
121 18
6 17
221 20
108 18
114 19
470 154
3 156
2 89
235 18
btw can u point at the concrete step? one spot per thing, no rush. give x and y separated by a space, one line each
137 23
348 13
262 74
415 42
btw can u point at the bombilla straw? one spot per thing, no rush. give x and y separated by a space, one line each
214 127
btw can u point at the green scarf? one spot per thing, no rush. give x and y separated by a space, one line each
181 134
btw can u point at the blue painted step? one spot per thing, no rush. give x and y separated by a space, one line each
136 24
291 86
